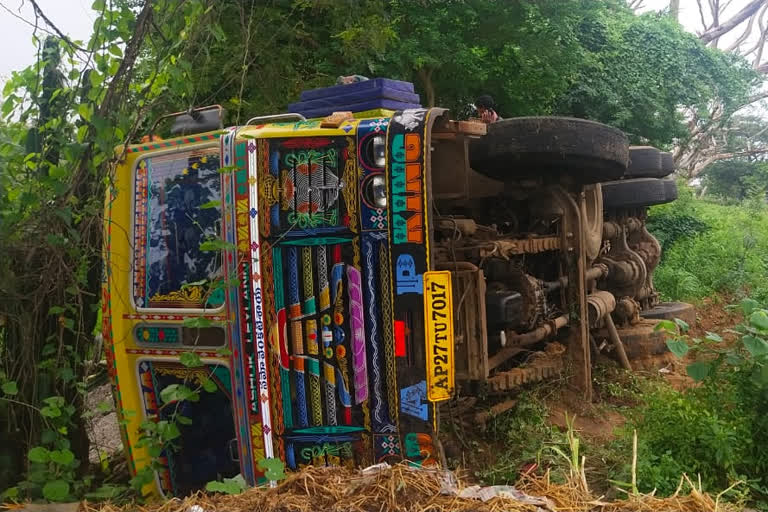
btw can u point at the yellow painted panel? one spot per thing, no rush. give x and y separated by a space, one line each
123 314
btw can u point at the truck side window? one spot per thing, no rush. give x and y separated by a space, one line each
171 220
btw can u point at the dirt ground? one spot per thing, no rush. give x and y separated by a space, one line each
713 316
104 430
596 425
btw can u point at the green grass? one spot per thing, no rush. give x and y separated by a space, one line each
715 432
711 248
526 437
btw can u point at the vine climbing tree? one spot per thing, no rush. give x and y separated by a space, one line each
63 116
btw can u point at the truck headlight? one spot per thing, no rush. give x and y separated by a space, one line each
375 191
379 151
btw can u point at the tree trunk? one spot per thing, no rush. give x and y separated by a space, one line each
425 76
674 9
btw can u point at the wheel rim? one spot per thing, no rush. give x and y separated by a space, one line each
592 213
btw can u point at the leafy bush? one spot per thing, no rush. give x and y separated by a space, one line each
677 220
717 430
693 433
710 248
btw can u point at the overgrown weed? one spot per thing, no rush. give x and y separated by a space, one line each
710 248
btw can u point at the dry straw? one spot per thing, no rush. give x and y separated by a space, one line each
325 489
405 489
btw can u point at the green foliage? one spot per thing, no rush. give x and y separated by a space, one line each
526 436
702 431
274 469
62 118
162 433
627 57
675 221
594 59
234 485
717 429
709 248
734 181
10 388
53 468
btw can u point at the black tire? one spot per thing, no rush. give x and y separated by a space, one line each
636 193
529 146
670 186
667 163
644 162
670 311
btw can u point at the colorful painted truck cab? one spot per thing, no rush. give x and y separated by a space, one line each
283 272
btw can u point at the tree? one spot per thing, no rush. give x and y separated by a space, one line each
51 224
735 180
523 53
281 48
576 58
42 137
747 32
644 92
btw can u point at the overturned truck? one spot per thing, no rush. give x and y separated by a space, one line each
307 287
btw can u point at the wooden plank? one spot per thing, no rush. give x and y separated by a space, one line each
334 120
473 127
461 127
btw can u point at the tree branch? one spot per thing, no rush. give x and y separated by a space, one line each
761 42
131 53
674 9
756 97
714 7
699 168
720 29
48 22
704 25
743 37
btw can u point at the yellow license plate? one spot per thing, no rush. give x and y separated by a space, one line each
438 319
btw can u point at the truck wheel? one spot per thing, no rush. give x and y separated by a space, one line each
671 189
522 147
640 340
637 192
670 311
644 162
667 163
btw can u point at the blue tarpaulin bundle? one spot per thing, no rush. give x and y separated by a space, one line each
357 97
